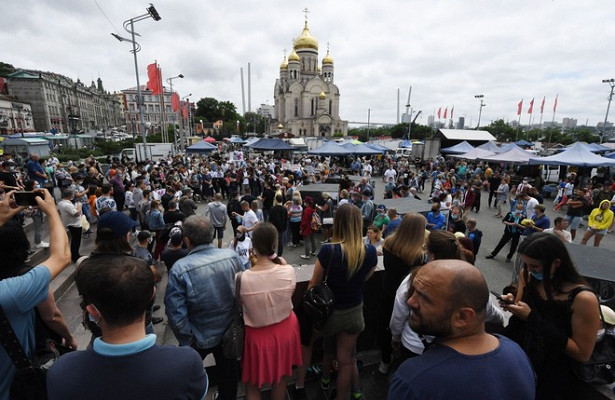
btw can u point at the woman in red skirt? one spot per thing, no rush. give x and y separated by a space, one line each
272 345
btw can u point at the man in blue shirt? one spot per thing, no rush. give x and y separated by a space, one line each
36 171
200 298
448 301
435 219
19 295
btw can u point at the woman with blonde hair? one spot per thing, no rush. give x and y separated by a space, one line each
403 251
347 263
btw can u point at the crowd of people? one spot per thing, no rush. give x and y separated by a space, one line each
433 306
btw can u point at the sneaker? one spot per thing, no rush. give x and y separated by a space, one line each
305 257
325 241
42 245
313 253
325 384
490 256
383 368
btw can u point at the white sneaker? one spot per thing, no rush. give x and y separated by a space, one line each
305 257
42 245
383 368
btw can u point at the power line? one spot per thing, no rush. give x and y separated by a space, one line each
103 13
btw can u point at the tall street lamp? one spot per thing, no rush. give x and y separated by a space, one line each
480 110
612 83
129 27
183 144
170 80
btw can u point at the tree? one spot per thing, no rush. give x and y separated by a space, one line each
6 69
254 122
501 130
207 108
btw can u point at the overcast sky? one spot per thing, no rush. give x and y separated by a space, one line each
448 51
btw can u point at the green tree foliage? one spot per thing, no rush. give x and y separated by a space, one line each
6 69
211 110
502 131
253 122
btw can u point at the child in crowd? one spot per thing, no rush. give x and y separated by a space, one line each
242 245
475 235
144 238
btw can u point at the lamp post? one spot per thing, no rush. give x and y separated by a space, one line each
182 144
480 110
170 80
129 27
611 82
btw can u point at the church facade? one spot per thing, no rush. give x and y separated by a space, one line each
306 98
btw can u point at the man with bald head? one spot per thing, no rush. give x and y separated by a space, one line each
448 300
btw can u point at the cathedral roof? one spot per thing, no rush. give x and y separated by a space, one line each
328 60
306 40
294 56
284 64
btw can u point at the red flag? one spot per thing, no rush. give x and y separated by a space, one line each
184 106
452 109
555 104
445 112
531 109
153 82
542 106
439 109
519 107
175 101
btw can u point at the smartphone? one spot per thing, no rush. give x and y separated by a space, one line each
500 298
27 198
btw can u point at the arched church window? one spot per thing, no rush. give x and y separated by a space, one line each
296 107
330 106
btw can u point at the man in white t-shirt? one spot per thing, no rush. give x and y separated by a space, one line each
390 174
367 170
530 203
249 220
560 224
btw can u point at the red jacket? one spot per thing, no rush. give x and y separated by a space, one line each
306 221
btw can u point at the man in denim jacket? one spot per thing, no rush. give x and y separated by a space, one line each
200 298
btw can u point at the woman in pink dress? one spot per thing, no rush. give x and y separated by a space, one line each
272 345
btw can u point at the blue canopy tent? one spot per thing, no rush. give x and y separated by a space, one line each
363 150
238 140
348 146
459 148
508 147
270 144
474 154
490 146
515 155
524 143
201 147
330 149
378 147
610 155
578 155
406 144
593 147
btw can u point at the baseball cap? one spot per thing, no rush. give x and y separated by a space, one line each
117 222
381 207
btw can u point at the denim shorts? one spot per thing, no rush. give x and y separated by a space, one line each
597 231
574 222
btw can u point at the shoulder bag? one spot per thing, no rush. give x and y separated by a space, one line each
319 300
29 382
600 369
232 340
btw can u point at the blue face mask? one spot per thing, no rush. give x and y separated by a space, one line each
537 275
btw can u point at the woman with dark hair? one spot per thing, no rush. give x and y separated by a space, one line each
550 322
272 345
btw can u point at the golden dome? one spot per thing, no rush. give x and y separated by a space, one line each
280 126
294 56
322 96
284 64
306 40
327 60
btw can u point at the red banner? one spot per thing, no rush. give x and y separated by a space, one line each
542 106
153 75
439 109
175 101
184 107
531 109
555 104
445 112
519 107
452 109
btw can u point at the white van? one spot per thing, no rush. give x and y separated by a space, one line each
403 152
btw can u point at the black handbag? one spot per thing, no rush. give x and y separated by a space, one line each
600 369
319 300
30 381
232 340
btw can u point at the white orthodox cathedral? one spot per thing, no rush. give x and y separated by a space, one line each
307 101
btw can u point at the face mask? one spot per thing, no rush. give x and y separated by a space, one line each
241 237
454 216
537 275
12 169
